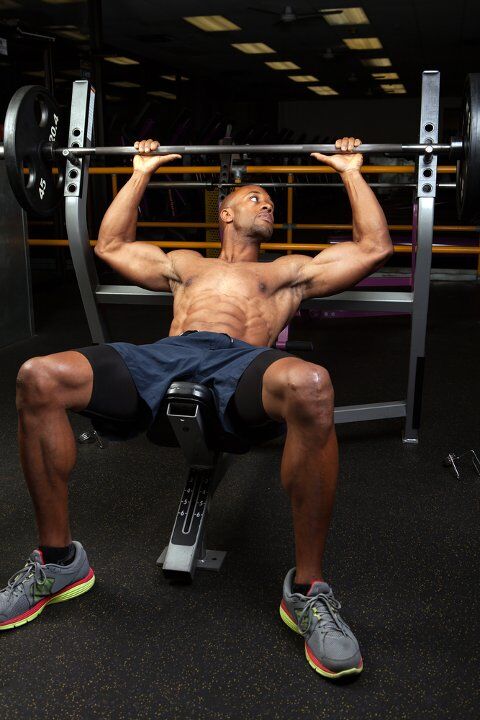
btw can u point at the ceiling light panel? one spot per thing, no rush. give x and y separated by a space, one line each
212 23
376 62
72 35
163 94
253 48
385 76
172 78
394 88
286 65
121 60
322 90
345 16
370 43
124 84
63 2
303 78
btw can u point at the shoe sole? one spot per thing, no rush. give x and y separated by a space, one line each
311 659
67 593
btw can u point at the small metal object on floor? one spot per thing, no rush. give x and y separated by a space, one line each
91 436
452 461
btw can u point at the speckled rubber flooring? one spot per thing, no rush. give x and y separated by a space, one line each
403 553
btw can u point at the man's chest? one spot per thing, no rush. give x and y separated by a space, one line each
255 281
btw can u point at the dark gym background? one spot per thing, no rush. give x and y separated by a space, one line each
403 549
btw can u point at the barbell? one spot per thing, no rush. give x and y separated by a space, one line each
34 138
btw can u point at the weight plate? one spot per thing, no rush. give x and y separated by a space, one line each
32 120
468 167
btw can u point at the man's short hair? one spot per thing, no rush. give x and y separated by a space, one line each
226 202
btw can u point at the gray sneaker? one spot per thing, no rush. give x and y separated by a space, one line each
330 646
38 585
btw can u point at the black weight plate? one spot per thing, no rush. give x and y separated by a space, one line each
32 120
468 167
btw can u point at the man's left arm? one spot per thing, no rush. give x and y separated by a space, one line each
343 265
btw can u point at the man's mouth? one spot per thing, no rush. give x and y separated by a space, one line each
265 216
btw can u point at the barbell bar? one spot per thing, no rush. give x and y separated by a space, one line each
34 131
394 149
208 185
51 151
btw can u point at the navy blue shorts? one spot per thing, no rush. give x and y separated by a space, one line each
213 359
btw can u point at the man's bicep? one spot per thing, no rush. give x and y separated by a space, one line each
337 268
142 263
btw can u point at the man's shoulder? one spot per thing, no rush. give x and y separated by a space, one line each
185 253
290 259
288 263
184 258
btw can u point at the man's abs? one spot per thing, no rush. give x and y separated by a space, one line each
256 321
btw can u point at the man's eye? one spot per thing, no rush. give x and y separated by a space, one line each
254 197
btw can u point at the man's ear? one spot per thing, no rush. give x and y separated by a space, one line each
226 215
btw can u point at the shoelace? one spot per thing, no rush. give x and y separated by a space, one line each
32 567
327 617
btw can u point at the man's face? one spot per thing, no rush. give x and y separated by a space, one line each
252 210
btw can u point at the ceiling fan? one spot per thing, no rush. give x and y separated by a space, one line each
288 15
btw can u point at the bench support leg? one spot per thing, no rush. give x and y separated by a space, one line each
186 551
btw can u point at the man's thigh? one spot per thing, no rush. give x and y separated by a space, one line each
251 401
114 394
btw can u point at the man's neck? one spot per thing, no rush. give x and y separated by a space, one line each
239 250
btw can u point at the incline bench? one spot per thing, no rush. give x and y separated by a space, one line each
188 418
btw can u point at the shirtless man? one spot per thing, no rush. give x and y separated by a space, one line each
228 313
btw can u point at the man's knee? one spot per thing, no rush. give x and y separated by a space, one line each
303 391
36 382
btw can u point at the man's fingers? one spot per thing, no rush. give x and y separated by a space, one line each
145 146
353 143
347 144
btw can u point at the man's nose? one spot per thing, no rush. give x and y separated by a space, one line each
267 206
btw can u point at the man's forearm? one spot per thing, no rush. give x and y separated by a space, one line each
368 219
120 220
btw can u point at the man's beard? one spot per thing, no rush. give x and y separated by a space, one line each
262 230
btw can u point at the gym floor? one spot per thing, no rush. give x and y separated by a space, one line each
402 554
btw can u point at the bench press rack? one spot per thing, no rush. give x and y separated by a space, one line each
414 303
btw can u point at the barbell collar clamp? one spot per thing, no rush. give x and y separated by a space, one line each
456 147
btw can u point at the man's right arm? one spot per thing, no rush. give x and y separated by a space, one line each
142 263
